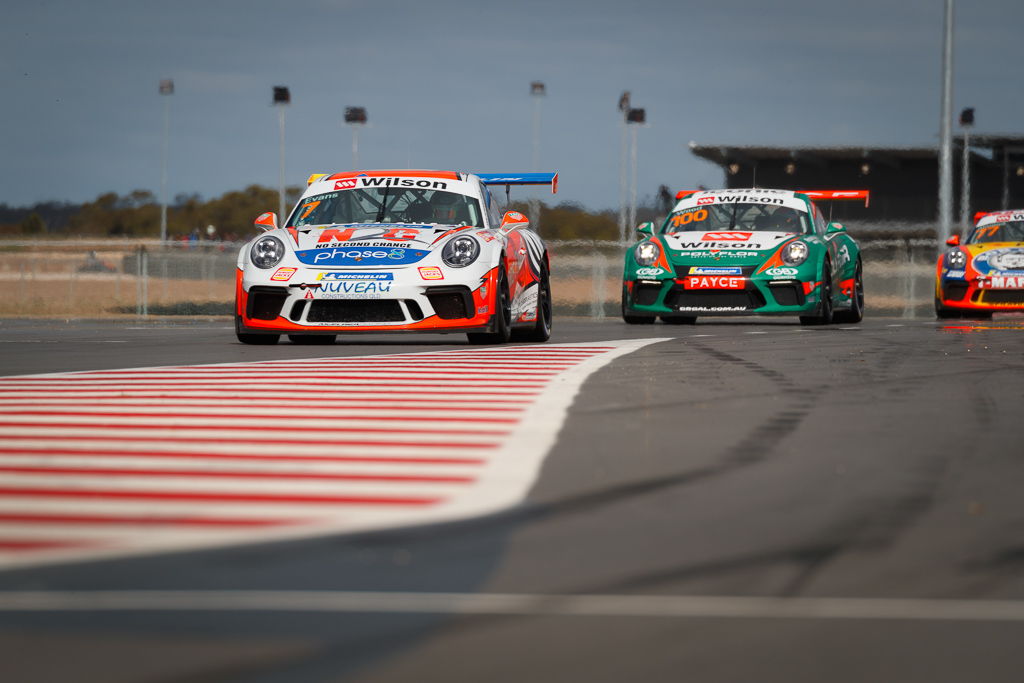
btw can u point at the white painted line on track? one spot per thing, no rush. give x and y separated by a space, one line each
636 606
111 463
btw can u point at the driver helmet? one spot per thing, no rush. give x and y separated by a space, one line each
785 220
445 206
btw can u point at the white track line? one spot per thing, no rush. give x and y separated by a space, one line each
643 606
111 463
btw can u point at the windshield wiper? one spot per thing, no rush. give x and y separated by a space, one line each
383 205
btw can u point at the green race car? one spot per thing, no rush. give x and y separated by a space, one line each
745 252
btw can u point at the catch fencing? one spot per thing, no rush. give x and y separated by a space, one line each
140 278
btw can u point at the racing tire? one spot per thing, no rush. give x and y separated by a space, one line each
250 338
824 314
312 339
502 318
856 311
943 313
634 319
541 329
679 319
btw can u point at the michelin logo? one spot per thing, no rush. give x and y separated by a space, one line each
355 276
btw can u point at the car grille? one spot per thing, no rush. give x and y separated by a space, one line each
714 298
264 303
355 311
955 291
1012 297
646 295
450 303
787 293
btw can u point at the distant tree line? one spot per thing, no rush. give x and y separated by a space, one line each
137 214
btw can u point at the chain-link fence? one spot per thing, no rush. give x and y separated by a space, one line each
147 278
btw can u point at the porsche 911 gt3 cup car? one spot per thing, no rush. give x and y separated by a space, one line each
743 252
986 272
374 251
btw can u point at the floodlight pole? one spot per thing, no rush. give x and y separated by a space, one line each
280 177
537 91
355 117
282 98
965 184
633 167
634 119
355 147
945 134
623 180
166 89
624 101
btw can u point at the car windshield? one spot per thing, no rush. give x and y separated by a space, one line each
387 205
739 216
1010 231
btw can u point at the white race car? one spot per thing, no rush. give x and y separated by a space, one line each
373 251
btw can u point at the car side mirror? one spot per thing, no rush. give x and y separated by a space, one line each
835 227
266 221
514 219
953 241
645 228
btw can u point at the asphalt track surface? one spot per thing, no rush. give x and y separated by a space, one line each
747 500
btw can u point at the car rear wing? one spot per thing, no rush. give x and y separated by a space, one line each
819 195
520 179
837 195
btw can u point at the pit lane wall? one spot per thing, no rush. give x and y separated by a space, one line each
142 278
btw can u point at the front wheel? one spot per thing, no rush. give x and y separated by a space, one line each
541 330
824 316
856 311
250 338
502 318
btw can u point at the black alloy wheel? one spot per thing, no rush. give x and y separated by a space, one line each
856 311
541 329
502 318
824 316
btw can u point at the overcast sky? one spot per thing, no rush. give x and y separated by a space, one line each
446 85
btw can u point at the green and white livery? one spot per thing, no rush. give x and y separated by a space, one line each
745 252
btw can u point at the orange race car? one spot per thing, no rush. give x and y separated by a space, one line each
986 272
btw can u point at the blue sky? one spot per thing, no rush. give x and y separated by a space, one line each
446 85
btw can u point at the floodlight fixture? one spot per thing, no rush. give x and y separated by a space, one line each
636 116
282 95
355 115
166 86
967 117
537 89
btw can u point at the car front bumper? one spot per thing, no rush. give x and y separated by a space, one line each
305 305
760 295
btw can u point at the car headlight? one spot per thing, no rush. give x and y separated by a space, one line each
646 253
460 252
267 252
956 258
795 253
